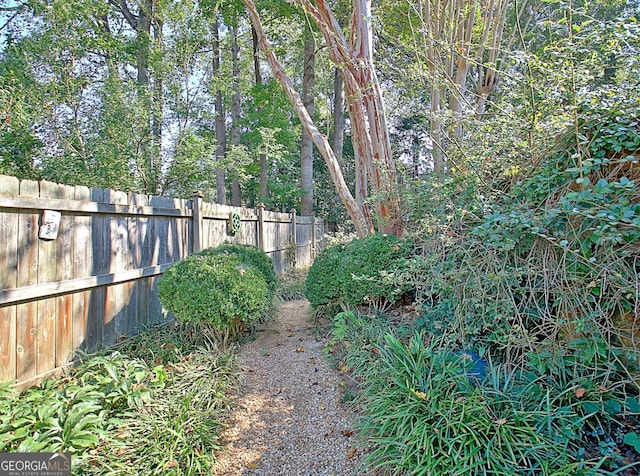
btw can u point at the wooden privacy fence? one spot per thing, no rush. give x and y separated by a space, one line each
94 283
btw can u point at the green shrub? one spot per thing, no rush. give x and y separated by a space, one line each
249 255
219 292
363 271
323 281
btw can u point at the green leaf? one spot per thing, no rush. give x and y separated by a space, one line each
612 407
632 439
632 404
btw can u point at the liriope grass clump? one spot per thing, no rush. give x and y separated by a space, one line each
423 414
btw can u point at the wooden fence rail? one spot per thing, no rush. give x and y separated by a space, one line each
95 283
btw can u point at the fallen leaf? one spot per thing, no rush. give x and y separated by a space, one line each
580 392
171 464
343 367
500 421
347 433
602 388
300 349
351 453
253 466
419 394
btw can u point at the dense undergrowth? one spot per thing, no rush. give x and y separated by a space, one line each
154 406
537 275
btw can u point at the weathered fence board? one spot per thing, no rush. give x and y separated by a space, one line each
96 283
27 314
82 260
64 272
8 280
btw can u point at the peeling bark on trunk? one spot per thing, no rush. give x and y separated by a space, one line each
338 114
374 160
362 223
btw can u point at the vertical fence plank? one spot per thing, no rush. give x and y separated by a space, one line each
144 257
160 230
8 280
99 247
134 262
260 227
64 271
27 314
117 295
196 205
82 262
47 264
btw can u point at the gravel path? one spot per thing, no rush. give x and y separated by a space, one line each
287 418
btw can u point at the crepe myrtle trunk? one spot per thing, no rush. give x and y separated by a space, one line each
366 110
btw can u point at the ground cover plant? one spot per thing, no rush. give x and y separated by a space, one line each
154 406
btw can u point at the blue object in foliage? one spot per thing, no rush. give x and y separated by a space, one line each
475 366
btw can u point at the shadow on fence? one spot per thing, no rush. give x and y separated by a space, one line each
95 282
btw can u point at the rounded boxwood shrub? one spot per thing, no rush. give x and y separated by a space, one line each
250 255
323 280
218 292
363 271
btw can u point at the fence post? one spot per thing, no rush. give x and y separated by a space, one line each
197 221
313 237
261 240
294 235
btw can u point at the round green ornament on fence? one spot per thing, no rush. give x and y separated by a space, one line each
234 222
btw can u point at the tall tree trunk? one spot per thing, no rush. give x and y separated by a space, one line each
338 114
361 221
264 180
236 193
143 31
220 129
157 106
306 149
